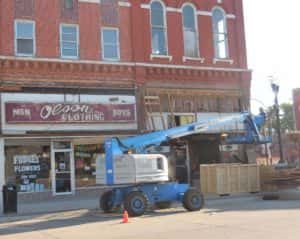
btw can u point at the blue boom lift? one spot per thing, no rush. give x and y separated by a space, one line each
140 194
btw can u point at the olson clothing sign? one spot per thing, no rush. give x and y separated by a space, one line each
68 113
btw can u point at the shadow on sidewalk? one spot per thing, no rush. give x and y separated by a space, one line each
39 222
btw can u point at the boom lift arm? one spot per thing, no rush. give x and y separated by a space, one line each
157 191
244 123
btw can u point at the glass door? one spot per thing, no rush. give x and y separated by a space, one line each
62 172
63 168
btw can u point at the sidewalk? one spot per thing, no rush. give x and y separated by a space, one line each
91 207
62 206
58 205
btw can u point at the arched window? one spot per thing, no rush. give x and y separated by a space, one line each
190 32
158 29
220 34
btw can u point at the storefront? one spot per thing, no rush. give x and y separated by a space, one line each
168 107
51 165
53 145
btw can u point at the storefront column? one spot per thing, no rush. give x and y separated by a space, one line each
2 179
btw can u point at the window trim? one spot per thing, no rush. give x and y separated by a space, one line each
153 56
188 58
118 44
225 60
60 40
196 28
33 38
226 34
165 27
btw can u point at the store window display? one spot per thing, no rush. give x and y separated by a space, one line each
28 167
86 157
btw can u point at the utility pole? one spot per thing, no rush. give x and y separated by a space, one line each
275 88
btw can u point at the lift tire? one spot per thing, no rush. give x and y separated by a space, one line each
135 204
163 205
193 200
106 202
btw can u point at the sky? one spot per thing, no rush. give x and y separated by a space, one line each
273 45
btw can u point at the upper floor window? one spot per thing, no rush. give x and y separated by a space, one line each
68 4
190 32
25 38
110 44
158 29
24 8
220 34
69 41
69 9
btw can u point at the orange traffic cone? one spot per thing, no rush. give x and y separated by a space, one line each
125 217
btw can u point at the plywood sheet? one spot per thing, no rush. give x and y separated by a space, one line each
229 178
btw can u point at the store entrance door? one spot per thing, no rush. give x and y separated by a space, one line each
62 168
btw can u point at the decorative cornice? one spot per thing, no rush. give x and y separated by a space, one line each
68 68
7 59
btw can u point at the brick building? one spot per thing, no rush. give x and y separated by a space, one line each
73 72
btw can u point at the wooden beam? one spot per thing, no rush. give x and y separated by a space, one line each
13 88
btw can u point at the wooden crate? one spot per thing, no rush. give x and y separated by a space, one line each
267 173
229 178
273 178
